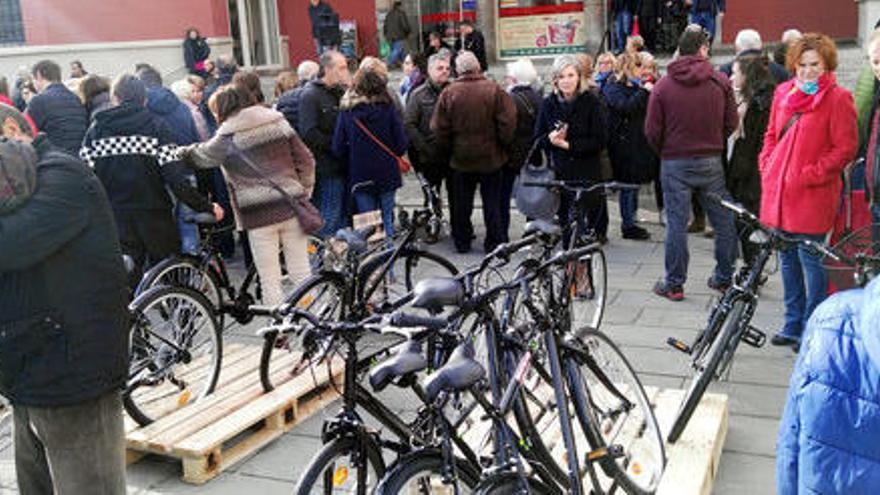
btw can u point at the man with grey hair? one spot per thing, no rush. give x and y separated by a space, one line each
64 344
417 121
318 109
474 122
135 156
288 103
748 44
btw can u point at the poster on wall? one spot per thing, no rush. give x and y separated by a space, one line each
534 28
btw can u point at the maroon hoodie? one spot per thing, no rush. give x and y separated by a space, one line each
691 111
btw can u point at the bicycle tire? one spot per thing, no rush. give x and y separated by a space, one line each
153 355
596 358
411 266
590 310
322 295
508 483
184 271
705 374
428 461
323 468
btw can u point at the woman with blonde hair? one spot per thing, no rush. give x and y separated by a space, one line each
572 134
632 159
604 68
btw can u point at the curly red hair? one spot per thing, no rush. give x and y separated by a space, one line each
822 44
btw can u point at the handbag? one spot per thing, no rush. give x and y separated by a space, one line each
532 201
402 163
310 220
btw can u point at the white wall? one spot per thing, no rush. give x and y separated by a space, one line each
109 59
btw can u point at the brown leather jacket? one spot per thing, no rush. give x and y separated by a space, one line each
474 123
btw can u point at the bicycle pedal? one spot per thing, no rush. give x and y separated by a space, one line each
678 345
610 452
754 337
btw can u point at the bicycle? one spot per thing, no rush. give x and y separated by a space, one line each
350 446
587 282
365 280
730 320
570 355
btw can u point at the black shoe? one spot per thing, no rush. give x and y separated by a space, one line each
462 249
636 233
784 340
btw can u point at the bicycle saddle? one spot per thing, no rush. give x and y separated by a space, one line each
459 373
544 227
436 292
401 367
356 240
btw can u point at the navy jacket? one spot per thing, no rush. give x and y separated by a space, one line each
713 6
830 431
63 295
59 113
366 160
288 104
164 104
631 156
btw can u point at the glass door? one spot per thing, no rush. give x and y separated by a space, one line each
255 32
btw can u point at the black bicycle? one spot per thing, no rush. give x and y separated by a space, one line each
730 320
603 394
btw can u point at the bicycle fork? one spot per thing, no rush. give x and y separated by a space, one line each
575 486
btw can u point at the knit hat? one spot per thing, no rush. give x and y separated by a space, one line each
18 173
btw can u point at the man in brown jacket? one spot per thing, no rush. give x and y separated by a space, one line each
474 122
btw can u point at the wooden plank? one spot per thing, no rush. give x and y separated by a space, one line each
693 460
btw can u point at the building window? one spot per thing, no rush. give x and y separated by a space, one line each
11 27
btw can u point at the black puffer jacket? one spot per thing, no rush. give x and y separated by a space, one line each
632 158
318 109
528 103
63 320
743 177
135 156
586 135
60 114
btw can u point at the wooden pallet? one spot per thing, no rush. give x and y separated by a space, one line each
238 419
692 462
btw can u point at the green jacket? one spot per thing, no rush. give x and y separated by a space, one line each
863 96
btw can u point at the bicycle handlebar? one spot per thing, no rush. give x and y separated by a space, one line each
581 186
406 320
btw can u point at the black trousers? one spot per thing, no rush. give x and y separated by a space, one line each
464 186
508 177
147 236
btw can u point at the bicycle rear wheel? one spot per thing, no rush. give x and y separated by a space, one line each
613 410
422 472
400 278
322 295
334 470
175 352
706 366
588 289
184 271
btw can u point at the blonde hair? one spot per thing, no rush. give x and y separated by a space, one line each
626 66
634 44
606 56
563 62
648 60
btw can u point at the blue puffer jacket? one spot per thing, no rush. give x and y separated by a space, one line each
829 437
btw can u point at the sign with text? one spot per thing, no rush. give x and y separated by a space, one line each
540 30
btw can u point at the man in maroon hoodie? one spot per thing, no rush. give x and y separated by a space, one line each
690 115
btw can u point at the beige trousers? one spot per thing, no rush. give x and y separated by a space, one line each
265 244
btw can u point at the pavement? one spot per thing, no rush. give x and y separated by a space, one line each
636 319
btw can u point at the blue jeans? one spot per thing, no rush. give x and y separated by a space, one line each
804 284
397 53
706 19
369 201
189 231
623 22
629 204
329 197
680 179
875 219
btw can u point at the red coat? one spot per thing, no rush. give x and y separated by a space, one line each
800 175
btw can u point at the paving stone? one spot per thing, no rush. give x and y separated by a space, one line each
751 435
750 474
285 458
225 484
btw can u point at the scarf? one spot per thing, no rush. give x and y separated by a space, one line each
796 101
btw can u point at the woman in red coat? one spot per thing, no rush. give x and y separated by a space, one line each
811 136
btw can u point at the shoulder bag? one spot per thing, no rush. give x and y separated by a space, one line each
310 220
402 163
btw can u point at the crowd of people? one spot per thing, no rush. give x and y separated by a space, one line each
773 134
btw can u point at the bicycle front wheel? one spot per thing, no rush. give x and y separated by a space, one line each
613 410
706 367
423 472
184 271
335 469
589 290
175 352
322 295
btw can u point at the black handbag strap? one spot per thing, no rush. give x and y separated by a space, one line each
794 118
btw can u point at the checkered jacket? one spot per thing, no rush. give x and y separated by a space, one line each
134 155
